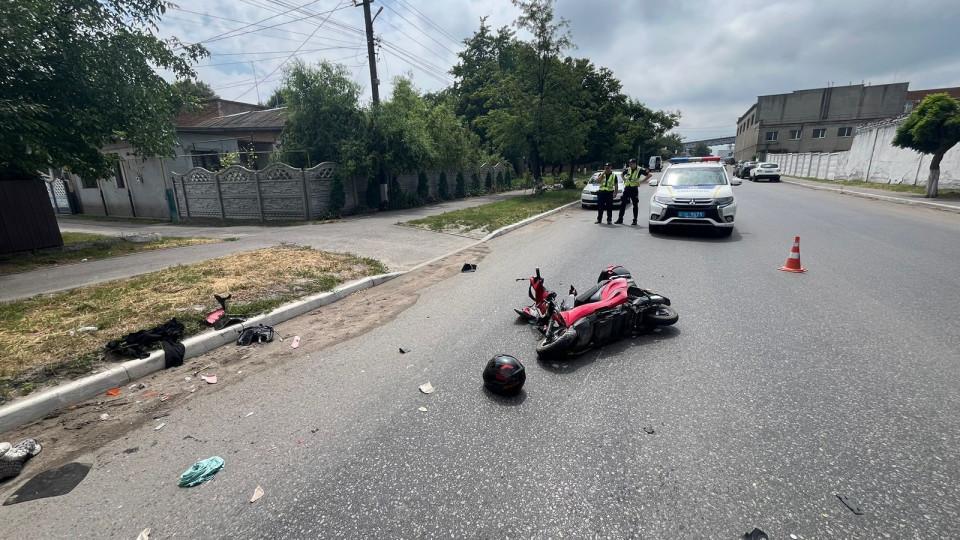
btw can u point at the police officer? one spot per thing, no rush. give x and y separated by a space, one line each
607 193
631 192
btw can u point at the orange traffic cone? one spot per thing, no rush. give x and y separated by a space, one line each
793 260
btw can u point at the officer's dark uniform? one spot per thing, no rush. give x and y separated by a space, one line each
608 185
631 191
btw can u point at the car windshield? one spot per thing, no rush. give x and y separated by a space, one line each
694 177
769 166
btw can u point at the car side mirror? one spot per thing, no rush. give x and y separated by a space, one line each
653 182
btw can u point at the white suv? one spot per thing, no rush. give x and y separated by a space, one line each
694 193
770 171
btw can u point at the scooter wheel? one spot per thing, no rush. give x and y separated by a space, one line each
557 345
661 315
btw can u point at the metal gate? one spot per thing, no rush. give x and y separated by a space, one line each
57 192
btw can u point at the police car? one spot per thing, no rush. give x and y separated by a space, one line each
694 191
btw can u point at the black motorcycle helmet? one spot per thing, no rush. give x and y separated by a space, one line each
612 272
504 374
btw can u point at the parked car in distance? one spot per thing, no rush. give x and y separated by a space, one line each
745 169
736 167
589 195
765 170
656 163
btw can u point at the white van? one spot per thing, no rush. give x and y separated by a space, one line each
656 164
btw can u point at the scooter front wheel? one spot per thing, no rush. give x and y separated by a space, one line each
556 345
661 315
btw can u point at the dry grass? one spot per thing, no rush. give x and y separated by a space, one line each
35 340
79 246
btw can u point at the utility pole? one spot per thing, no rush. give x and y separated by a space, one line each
374 84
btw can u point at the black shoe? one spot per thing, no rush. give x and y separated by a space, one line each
634 222
609 222
619 221
597 222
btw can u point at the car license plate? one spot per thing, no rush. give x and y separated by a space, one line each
692 214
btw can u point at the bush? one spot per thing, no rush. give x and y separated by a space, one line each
373 193
423 187
508 178
399 199
461 186
443 190
338 198
488 182
568 183
500 183
475 186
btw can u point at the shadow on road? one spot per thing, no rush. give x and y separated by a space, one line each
693 233
507 401
610 352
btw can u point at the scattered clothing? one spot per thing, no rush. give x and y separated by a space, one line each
136 344
201 471
13 458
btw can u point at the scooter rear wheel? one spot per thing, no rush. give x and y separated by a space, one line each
661 315
556 346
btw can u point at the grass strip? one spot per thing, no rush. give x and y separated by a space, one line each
80 246
35 334
492 216
901 188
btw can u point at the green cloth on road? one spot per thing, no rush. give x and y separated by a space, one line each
201 471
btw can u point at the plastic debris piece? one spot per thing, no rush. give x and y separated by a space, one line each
257 493
166 396
649 430
84 260
851 504
132 386
215 315
201 471
144 534
469 267
104 416
755 534
404 351
296 342
422 409
793 537
149 394
158 428
186 378
249 414
209 379
113 392
427 388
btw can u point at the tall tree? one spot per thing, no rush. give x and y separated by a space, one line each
932 128
323 118
701 150
79 74
195 90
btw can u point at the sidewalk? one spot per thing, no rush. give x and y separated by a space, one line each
913 199
377 236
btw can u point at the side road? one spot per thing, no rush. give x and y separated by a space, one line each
913 199
377 236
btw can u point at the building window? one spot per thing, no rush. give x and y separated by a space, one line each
845 132
119 174
795 134
819 133
771 136
88 183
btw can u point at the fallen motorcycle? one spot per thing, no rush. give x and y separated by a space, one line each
613 308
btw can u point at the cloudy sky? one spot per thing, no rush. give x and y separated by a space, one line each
707 58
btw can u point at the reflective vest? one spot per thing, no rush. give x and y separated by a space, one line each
631 177
608 183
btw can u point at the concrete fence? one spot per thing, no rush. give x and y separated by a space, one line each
873 158
281 192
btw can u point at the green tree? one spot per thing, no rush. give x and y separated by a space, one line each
475 187
701 150
323 120
500 183
443 189
488 182
195 90
80 74
461 188
932 128
423 186
275 99
338 196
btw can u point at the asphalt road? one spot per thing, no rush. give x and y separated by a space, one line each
774 393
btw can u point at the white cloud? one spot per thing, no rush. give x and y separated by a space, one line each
708 58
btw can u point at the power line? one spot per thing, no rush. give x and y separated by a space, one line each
260 27
418 28
298 48
274 57
225 35
430 22
282 38
438 55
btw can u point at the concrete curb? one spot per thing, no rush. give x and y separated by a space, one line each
39 405
875 196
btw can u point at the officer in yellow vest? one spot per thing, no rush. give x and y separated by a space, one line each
607 193
631 192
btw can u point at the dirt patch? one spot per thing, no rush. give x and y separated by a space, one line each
72 432
40 337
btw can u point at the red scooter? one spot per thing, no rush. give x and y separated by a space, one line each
613 308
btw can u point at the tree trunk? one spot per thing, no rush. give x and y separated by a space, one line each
535 163
934 179
570 172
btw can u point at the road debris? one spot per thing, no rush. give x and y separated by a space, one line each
209 379
13 458
755 534
851 504
149 394
404 351
422 409
256 334
201 471
649 430
295 343
427 388
257 493
144 534
469 267
104 416
158 428
249 414
113 392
